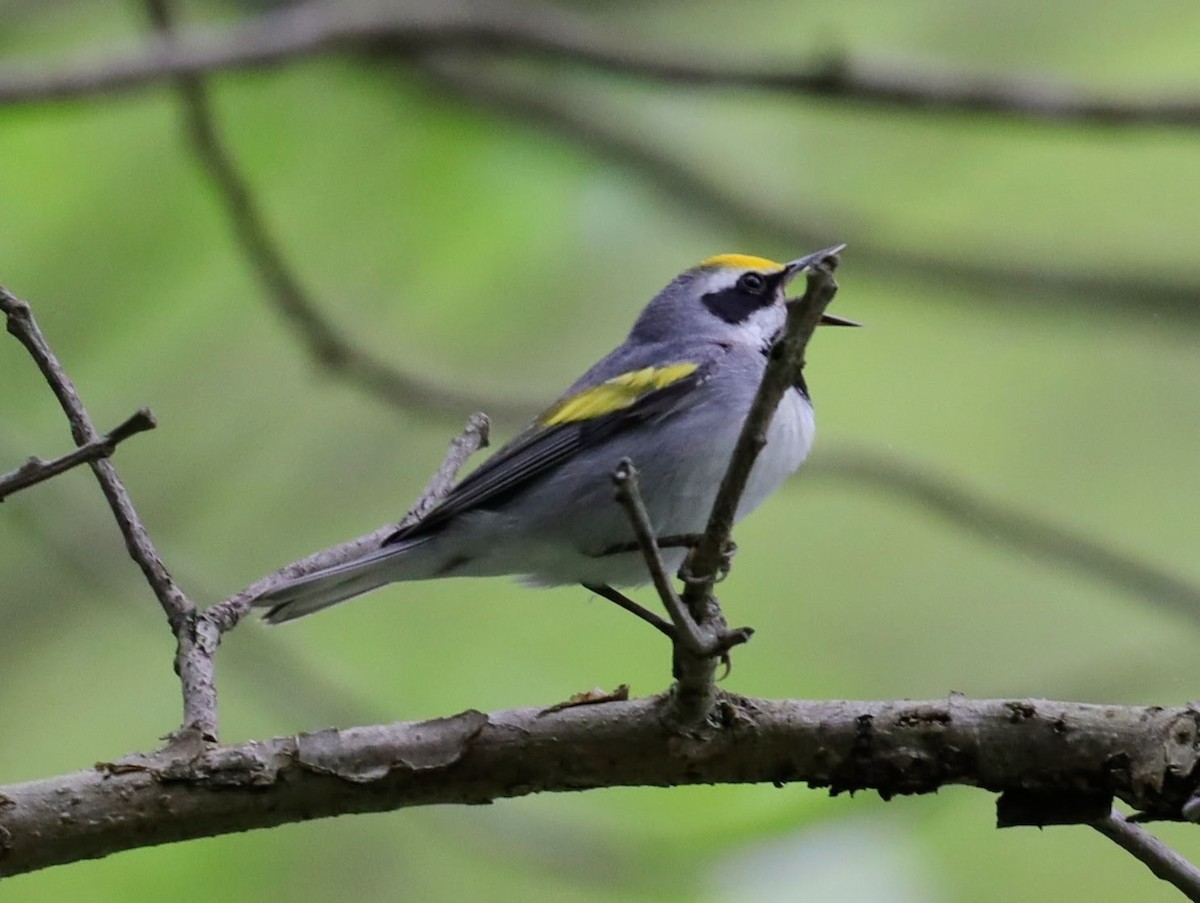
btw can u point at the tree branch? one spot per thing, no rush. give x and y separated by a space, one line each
474 436
312 29
21 324
197 634
695 670
996 522
629 497
35 470
326 344
1146 756
496 93
194 644
1164 862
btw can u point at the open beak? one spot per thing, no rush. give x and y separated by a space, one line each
831 320
794 268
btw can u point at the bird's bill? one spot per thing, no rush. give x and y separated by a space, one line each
832 320
795 267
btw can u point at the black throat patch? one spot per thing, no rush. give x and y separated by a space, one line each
733 305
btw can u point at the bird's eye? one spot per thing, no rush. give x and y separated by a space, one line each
753 283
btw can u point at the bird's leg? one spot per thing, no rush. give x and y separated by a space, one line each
726 638
727 552
612 595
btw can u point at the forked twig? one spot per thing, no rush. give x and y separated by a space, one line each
193 657
786 362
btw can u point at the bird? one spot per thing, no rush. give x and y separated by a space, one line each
671 398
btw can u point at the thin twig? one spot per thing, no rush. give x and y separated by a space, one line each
1164 862
21 324
728 205
194 645
639 611
695 661
996 522
310 29
35 470
629 496
474 437
325 343
283 674
786 362
225 615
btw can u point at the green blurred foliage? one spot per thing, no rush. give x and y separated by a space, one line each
494 258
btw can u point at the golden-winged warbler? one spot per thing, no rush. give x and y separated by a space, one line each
671 398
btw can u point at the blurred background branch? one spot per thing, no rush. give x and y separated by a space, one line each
485 31
304 30
999 524
1033 315
531 103
326 343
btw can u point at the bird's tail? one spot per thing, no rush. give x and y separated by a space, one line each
303 595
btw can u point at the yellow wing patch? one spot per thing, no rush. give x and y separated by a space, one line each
742 262
616 393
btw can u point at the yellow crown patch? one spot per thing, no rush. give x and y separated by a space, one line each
742 262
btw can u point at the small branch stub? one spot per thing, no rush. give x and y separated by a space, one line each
35 470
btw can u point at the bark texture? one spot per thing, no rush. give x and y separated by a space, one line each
1056 761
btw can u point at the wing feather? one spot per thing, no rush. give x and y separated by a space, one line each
561 433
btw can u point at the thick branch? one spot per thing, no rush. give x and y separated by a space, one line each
323 28
35 470
1146 756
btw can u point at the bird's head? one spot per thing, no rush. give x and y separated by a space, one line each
730 297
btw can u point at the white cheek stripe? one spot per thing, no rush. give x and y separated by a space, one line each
718 281
757 329
760 327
